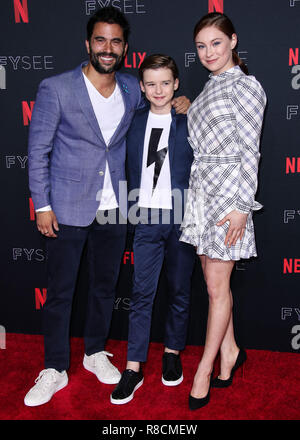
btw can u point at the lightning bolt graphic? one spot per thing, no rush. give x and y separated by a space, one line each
155 156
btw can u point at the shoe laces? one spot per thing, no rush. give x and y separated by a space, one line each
46 378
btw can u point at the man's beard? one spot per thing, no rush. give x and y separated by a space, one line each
101 69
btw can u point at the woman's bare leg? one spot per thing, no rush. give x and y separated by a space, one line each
229 350
217 276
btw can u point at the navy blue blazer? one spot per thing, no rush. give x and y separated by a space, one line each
180 152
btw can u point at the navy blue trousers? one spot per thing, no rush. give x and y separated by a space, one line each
153 245
105 246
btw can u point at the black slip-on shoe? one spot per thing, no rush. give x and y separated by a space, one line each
130 381
171 369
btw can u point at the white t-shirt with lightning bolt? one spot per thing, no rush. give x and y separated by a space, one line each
155 189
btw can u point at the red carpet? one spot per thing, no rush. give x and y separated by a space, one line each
269 390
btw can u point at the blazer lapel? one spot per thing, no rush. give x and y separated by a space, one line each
140 135
85 102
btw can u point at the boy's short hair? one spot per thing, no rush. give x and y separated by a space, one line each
158 61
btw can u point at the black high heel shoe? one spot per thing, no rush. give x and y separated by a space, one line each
195 403
219 383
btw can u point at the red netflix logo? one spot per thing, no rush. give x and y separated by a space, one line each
216 5
40 297
291 265
294 56
21 11
292 165
128 257
27 111
134 60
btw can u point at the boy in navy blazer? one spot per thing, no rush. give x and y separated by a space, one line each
159 159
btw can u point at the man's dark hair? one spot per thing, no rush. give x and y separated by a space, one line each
109 15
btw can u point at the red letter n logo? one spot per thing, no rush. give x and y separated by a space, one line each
31 210
27 111
216 5
21 11
294 56
40 297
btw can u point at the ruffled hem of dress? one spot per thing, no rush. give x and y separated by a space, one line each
213 256
190 236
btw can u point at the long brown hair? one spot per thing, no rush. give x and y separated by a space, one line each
224 24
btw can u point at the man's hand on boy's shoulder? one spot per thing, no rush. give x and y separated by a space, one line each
181 104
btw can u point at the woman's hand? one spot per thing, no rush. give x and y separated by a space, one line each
237 224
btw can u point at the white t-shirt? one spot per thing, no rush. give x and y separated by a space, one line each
155 190
109 112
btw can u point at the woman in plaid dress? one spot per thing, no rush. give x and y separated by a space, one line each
224 125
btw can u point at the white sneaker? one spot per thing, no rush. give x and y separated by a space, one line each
47 383
99 364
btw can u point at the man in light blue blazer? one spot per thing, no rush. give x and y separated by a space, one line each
76 169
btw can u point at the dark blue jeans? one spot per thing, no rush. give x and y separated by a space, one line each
154 244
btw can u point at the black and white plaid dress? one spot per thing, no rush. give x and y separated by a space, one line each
224 125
